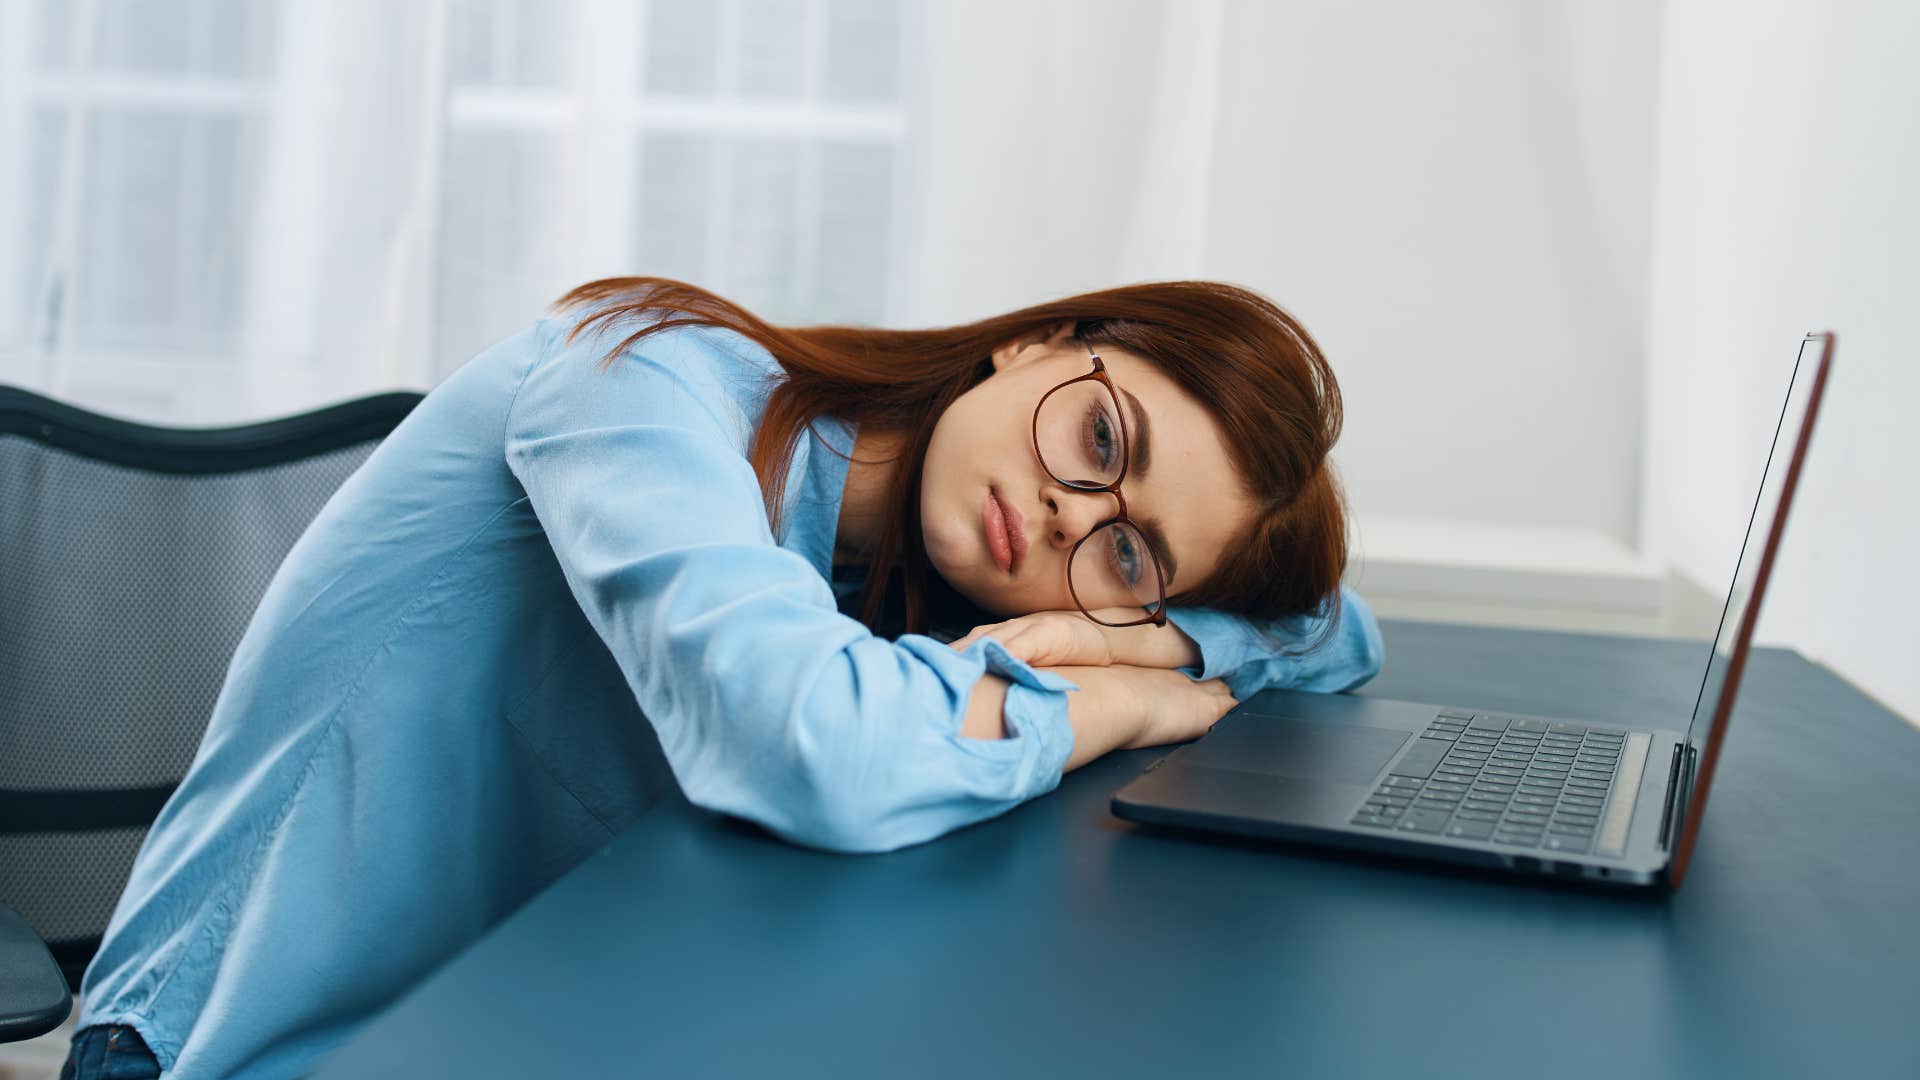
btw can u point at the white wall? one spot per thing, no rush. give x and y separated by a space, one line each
1787 172
1453 197
1560 252
1026 152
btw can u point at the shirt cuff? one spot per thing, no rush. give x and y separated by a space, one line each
1221 637
1035 709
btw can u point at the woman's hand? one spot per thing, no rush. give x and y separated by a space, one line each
1174 707
1055 638
1048 639
1122 707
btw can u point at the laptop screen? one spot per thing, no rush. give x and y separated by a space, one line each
1767 517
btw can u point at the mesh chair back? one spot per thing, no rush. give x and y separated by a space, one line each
131 559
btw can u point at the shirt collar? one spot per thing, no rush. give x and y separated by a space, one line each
813 514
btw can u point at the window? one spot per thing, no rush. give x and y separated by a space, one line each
145 248
749 146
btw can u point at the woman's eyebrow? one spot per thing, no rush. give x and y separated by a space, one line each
1138 457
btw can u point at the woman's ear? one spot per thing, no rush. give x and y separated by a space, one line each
1033 343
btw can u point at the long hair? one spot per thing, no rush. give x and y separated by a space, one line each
1265 380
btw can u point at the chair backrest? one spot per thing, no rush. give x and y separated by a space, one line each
131 560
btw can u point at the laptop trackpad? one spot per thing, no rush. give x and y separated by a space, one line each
1303 749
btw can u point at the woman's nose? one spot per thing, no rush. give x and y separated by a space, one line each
1072 514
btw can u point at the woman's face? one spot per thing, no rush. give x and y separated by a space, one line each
983 448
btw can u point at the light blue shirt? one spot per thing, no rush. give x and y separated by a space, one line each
548 598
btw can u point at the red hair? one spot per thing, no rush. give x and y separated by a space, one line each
1266 381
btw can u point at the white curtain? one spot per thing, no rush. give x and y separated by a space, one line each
225 210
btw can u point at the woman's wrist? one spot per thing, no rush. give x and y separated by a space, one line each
1105 713
1147 645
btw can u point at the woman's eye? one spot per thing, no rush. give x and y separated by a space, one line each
1126 558
1099 438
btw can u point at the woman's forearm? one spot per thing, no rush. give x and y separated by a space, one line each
1104 713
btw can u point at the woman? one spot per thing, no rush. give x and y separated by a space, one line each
585 574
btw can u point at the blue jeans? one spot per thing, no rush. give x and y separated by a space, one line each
109 1052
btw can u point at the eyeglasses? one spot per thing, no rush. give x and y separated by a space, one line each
1074 428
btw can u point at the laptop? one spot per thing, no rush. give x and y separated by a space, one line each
1607 803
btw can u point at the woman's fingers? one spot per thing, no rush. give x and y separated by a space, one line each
1044 638
960 644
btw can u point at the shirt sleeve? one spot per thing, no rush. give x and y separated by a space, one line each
1239 649
770 704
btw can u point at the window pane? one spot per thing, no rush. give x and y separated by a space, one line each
863 50
853 242
512 43
490 259
228 38
47 130
683 47
761 225
52 33
165 207
675 204
772 48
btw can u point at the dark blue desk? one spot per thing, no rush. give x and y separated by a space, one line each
1059 941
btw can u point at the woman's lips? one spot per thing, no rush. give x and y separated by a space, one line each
1006 539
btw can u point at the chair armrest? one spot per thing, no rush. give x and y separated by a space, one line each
34 998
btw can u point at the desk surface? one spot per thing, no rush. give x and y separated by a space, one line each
1058 940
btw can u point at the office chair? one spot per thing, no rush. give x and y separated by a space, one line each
131 560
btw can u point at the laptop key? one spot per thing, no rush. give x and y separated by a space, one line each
1570 844
1522 724
1470 830
1429 821
1516 841
1420 759
1369 819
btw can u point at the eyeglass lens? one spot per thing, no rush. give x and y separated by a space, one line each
1077 432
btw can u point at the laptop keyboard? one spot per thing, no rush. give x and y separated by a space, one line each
1511 781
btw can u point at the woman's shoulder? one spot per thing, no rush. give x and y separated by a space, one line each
720 366
688 347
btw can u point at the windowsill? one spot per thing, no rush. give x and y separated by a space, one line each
1547 577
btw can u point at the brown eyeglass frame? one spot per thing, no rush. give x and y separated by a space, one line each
1158 616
